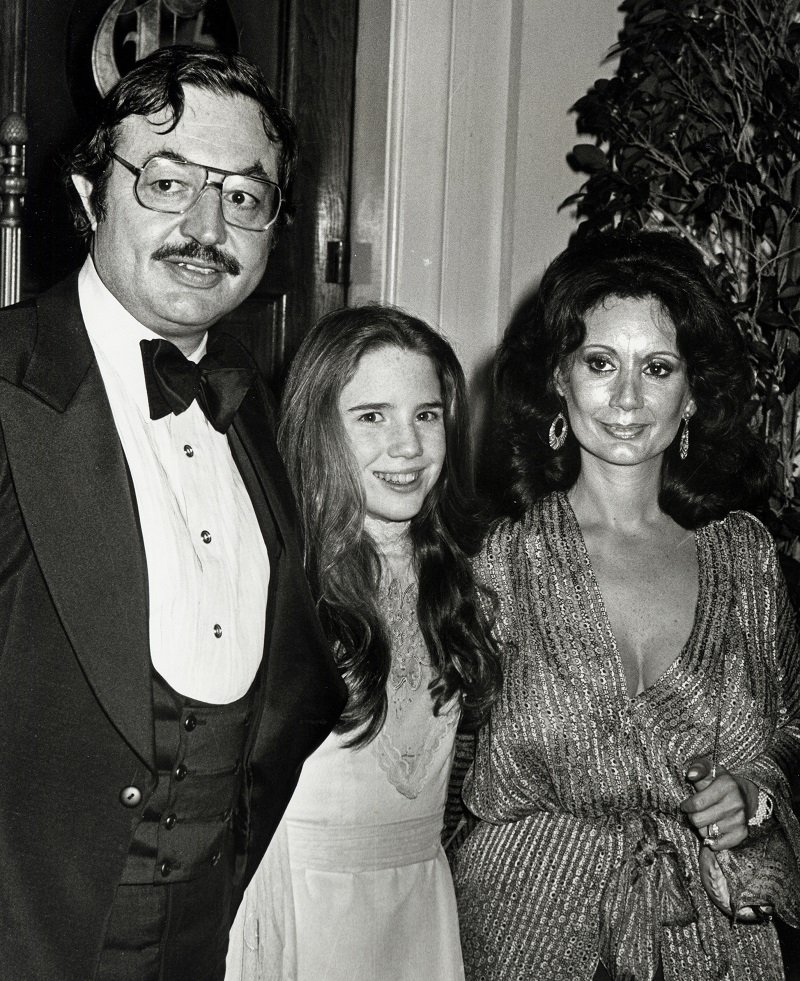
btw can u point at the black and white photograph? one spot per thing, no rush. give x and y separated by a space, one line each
399 490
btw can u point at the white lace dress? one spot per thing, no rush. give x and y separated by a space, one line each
355 885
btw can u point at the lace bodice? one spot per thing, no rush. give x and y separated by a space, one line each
411 735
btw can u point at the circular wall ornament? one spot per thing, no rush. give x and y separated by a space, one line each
130 31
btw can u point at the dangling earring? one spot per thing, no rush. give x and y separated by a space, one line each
559 428
683 445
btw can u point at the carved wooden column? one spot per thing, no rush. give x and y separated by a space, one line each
13 137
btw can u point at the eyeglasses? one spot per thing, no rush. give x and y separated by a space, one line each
174 186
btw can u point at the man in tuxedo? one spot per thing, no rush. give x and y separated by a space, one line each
163 674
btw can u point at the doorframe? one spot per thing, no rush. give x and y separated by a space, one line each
437 86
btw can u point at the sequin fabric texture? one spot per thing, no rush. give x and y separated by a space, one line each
581 849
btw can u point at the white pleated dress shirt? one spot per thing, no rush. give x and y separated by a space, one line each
207 565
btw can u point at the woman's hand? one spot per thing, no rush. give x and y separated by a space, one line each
722 804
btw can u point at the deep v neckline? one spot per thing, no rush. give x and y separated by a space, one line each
597 593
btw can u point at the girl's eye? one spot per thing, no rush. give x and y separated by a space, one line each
659 369
370 417
428 415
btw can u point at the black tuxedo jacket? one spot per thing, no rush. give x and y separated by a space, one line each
75 672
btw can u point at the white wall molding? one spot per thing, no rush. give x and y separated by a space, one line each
476 189
461 132
398 58
429 216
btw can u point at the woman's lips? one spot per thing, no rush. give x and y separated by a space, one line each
624 432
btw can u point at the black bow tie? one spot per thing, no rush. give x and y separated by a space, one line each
218 382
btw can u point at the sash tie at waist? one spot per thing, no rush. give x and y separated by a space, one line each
354 848
647 892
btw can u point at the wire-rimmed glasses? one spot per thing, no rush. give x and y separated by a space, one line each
173 186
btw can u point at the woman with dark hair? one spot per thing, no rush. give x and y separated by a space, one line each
650 710
375 437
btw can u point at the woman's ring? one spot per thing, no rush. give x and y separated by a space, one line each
713 830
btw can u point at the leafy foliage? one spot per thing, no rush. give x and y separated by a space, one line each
699 130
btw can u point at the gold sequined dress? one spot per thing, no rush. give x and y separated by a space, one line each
581 848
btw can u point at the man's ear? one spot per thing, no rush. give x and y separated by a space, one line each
84 187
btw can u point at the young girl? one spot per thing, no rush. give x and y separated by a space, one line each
375 437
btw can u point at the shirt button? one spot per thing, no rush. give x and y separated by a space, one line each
165 869
215 858
226 815
190 722
130 796
180 771
206 536
217 631
188 450
170 821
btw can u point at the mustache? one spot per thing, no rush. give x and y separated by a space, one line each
203 253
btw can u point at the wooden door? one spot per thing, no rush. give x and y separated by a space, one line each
306 49
316 58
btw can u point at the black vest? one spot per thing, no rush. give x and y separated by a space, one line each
169 919
188 823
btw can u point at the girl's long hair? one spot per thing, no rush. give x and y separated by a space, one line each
342 562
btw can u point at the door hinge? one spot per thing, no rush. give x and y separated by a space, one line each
336 262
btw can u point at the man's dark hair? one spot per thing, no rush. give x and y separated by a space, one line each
727 466
157 83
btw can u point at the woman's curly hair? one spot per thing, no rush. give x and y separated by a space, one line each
727 465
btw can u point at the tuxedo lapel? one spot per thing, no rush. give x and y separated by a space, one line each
73 490
262 470
270 493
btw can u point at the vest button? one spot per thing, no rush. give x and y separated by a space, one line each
165 869
180 771
190 722
170 821
130 797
